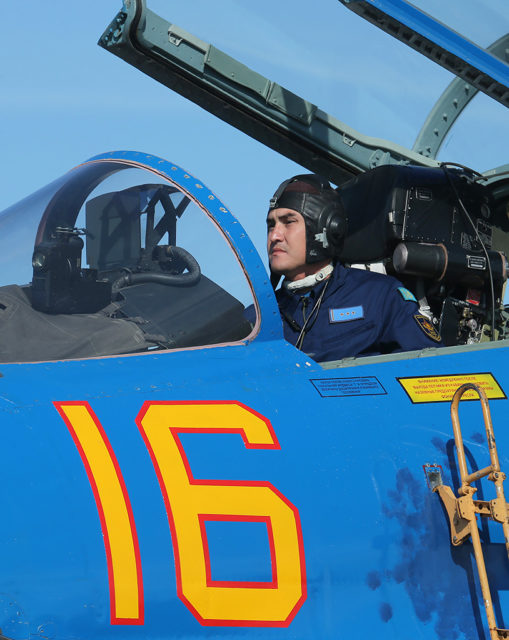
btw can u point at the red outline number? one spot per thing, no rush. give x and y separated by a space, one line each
114 508
190 502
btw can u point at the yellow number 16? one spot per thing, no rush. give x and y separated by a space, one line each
190 503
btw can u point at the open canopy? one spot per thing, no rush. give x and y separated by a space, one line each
318 70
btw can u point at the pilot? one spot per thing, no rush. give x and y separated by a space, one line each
330 311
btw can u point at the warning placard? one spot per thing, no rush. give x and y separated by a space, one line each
339 387
442 388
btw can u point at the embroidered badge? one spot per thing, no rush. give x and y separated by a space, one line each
427 326
347 314
406 294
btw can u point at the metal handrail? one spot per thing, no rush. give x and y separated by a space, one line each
467 508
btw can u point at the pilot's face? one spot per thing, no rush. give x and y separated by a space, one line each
286 243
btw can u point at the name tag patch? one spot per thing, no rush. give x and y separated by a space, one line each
346 315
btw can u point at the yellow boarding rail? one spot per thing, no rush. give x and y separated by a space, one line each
462 511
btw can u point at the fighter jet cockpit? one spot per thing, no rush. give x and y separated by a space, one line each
438 226
123 255
112 259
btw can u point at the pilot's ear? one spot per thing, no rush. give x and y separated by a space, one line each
274 279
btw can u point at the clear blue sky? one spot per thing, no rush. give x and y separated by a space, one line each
64 99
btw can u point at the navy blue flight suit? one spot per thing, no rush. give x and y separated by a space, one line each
361 313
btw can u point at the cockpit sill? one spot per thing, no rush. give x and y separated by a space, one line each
413 355
301 359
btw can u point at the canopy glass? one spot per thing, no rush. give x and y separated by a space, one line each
357 73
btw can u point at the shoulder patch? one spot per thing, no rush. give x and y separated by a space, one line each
427 326
406 294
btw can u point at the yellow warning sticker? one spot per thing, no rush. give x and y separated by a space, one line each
442 388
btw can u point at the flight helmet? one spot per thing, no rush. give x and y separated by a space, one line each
321 207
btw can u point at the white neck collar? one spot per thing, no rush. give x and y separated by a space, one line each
309 281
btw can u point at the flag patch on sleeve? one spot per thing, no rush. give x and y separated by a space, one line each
406 294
